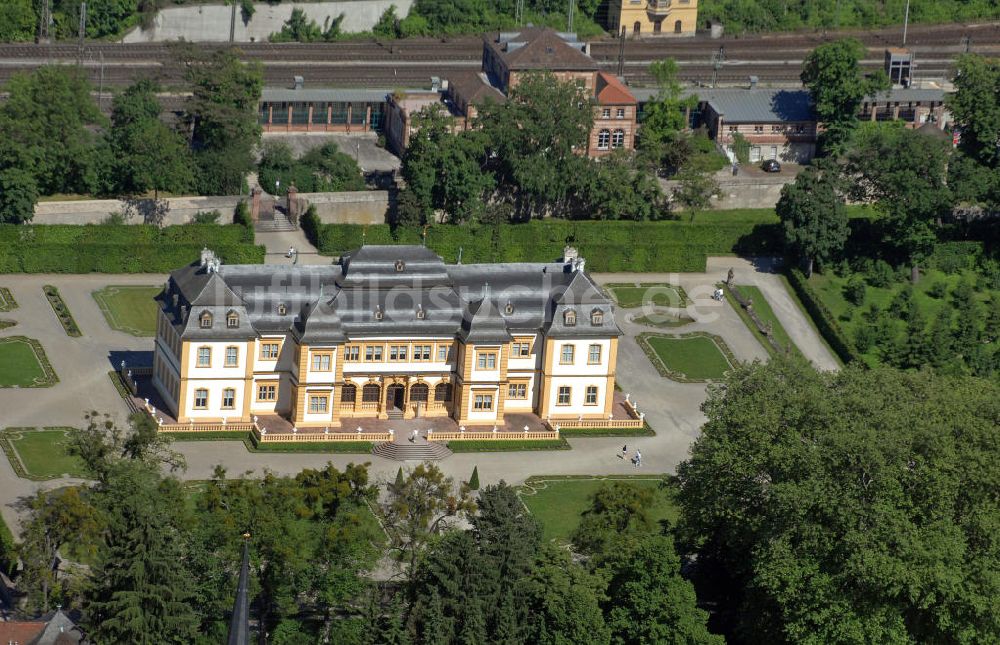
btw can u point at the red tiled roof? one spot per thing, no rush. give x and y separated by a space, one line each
611 91
20 632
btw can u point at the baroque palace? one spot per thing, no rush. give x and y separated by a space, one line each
390 332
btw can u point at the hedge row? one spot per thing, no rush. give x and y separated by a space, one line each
608 246
120 249
825 321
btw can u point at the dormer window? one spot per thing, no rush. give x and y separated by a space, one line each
232 320
282 309
205 320
378 313
569 318
596 318
509 309
421 314
400 265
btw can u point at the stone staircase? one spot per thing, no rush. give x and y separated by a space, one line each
279 224
419 450
395 414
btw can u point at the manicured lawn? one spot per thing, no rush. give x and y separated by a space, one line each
43 452
763 309
696 357
631 295
663 320
130 309
559 503
23 363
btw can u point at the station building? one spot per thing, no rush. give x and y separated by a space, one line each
390 332
637 18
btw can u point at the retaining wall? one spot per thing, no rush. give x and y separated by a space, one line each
211 22
368 207
744 192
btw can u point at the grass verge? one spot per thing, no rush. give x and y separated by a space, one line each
61 311
503 445
688 358
23 363
4 324
129 309
559 502
766 315
664 320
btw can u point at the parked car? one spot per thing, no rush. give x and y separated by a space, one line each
770 165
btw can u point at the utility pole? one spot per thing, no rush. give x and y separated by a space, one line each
718 58
83 28
569 15
906 21
43 22
621 53
232 25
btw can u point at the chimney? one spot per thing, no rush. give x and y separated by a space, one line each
299 82
206 256
753 82
570 253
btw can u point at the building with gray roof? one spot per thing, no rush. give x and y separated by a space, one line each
318 344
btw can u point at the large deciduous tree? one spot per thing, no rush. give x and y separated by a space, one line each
832 73
905 173
146 154
813 213
48 118
222 111
975 106
535 137
18 194
856 506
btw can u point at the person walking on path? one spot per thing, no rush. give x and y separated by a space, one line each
624 451
638 458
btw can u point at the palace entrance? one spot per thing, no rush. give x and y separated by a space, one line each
395 396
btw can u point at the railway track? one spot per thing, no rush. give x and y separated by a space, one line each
773 58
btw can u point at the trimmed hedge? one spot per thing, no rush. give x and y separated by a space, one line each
507 445
8 554
644 431
825 321
64 248
672 245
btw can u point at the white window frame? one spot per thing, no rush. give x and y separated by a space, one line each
564 395
567 354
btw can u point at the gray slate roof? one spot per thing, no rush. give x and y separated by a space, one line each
318 94
760 105
386 291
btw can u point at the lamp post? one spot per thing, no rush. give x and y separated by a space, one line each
277 186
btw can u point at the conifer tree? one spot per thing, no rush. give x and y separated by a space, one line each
474 480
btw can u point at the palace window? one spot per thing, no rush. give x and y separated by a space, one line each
205 321
564 395
596 318
594 355
508 308
520 349
228 398
603 139
348 394
487 360
442 392
567 355
201 398
321 362
232 356
517 391
734 128
620 113
618 139
397 352
758 129
269 351
267 392
352 353
591 398
421 352
373 354
371 393
483 402
318 404
606 113
282 309
232 320
569 317
204 357
443 351
419 393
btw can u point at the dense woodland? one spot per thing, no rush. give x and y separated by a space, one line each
854 507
